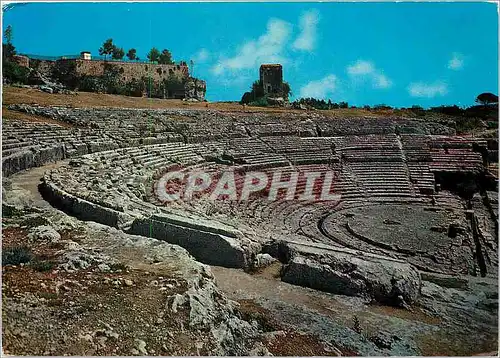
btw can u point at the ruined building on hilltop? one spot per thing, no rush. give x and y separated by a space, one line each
271 78
138 77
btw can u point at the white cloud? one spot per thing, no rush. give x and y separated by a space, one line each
456 63
381 81
363 70
267 48
360 68
319 88
308 27
427 90
201 56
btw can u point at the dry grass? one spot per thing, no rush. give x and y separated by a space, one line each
15 115
12 95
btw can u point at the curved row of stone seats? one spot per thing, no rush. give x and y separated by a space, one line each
241 146
103 117
303 151
260 162
446 200
212 124
372 155
253 153
201 127
210 129
381 179
368 141
455 160
414 140
377 148
25 144
12 145
134 123
348 186
286 128
96 188
290 144
121 176
304 221
355 126
33 156
262 212
445 153
311 157
422 154
126 170
422 177
364 126
275 216
457 142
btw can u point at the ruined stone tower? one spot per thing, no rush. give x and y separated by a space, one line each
271 77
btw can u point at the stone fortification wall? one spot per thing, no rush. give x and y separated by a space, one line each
128 70
131 70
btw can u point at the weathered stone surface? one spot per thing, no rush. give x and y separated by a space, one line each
208 244
386 281
44 233
386 178
47 89
263 260
195 89
276 101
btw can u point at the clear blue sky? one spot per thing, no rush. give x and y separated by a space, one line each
399 54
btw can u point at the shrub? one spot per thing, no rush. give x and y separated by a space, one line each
42 266
89 84
247 98
118 267
135 88
14 73
356 325
260 102
315 103
464 124
449 110
382 107
65 73
16 255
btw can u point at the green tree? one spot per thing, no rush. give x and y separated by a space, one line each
165 57
8 34
154 54
132 54
117 53
287 90
487 98
247 98
107 48
257 89
14 73
8 49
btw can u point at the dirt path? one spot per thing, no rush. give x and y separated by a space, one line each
317 312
